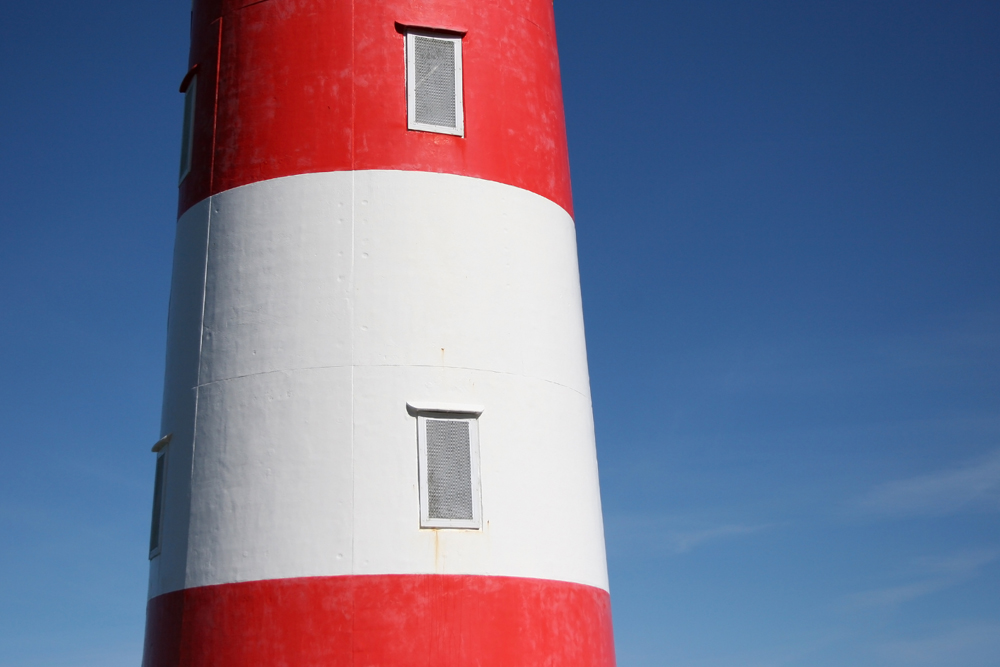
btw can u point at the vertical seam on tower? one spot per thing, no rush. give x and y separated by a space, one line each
351 285
352 304
204 286
215 111
197 388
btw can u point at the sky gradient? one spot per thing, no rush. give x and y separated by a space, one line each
789 227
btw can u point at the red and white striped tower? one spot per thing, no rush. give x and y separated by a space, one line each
378 440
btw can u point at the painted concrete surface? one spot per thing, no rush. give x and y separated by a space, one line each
328 302
309 86
411 620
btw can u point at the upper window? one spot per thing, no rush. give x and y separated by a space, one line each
434 83
187 133
448 457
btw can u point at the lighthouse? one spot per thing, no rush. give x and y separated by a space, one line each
377 437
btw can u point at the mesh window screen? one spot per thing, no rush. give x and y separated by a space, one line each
154 531
435 81
449 469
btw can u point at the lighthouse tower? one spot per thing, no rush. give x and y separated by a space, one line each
378 445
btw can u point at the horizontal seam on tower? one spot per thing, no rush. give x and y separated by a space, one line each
320 368
406 171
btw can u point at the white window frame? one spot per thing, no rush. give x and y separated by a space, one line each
466 413
160 486
411 89
190 92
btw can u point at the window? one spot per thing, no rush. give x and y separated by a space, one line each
187 131
160 448
448 455
434 83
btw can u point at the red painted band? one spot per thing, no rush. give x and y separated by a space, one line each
320 85
384 621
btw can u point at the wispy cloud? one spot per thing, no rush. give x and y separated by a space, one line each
928 575
970 645
975 485
897 595
682 542
957 564
659 535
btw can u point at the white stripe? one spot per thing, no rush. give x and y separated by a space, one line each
320 325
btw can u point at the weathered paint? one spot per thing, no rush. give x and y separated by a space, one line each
332 267
429 621
332 300
298 86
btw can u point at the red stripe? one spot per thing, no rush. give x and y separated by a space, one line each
388 621
319 85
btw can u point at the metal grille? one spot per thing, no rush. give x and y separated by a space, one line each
449 469
434 86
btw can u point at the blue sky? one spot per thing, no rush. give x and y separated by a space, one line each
789 228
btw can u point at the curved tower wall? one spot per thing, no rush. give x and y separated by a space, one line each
336 278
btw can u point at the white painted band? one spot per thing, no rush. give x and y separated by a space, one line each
305 312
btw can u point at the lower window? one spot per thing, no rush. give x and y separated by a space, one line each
448 446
